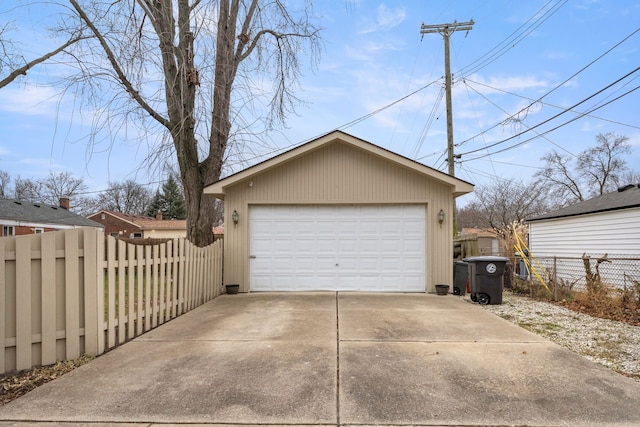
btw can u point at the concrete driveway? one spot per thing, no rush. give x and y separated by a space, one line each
336 359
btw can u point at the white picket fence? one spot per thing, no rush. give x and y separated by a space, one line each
74 292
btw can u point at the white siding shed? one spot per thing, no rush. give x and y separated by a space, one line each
608 224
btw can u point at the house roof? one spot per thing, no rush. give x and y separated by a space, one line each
147 222
626 197
217 189
21 212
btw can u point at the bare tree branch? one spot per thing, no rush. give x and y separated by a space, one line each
116 67
22 71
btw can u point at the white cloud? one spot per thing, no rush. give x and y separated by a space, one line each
390 18
367 51
30 100
385 19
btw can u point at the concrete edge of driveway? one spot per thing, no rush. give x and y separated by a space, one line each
335 359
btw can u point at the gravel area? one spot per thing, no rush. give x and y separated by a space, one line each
613 344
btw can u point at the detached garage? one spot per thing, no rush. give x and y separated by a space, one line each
338 214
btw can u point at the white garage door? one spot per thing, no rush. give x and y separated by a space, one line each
348 248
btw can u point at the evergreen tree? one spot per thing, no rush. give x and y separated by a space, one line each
170 201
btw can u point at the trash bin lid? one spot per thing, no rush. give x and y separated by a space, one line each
487 258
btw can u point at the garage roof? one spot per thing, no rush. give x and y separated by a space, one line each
217 189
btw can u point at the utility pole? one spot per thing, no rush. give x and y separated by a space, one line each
446 30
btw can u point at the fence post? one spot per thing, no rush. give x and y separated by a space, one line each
91 240
48 289
100 285
71 297
2 309
555 283
23 303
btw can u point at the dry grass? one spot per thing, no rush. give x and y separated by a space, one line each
15 385
600 301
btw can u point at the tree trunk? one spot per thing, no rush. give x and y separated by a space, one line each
241 25
200 210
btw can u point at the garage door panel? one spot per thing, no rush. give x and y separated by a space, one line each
370 246
303 228
344 247
304 246
347 228
315 282
325 246
413 246
365 248
324 228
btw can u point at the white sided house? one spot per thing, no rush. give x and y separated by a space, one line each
608 224
338 213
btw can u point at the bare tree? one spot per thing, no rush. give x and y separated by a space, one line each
559 174
472 215
593 172
5 181
503 202
27 190
54 187
601 166
127 197
61 184
191 66
630 177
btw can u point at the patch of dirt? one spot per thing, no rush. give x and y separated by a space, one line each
17 384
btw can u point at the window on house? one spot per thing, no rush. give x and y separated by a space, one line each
38 230
114 234
137 235
8 230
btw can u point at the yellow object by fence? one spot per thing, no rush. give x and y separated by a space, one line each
529 260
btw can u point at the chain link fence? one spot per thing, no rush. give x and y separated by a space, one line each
591 272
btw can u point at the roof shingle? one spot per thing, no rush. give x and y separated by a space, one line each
625 198
30 212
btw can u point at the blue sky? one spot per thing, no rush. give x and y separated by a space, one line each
374 56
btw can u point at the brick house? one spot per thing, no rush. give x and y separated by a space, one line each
128 226
118 224
19 217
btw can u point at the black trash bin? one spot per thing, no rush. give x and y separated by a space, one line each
460 277
486 274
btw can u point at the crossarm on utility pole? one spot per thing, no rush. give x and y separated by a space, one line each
446 30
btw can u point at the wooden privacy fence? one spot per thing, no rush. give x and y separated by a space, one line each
74 292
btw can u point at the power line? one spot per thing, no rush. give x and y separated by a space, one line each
559 85
499 108
341 127
561 113
527 28
433 114
468 80
557 127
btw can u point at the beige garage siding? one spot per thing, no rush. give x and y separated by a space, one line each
340 173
